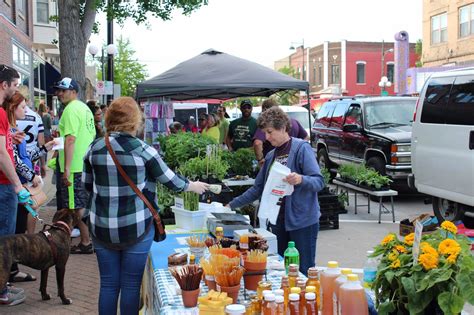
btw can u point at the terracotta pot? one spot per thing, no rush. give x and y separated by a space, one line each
232 292
251 282
190 298
210 282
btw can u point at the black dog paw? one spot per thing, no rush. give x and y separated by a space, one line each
66 301
46 297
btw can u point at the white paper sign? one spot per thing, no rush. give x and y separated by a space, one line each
416 242
275 189
59 144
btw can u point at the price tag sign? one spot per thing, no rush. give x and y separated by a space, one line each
209 149
416 242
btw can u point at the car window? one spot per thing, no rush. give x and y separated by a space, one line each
389 113
324 114
338 115
460 110
354 116
436 100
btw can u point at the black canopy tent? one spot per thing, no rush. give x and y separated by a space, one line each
217 75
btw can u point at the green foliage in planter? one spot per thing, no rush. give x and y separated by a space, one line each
205 166
165 197
343 199
190 200
363 175
179 148
240 161
326 176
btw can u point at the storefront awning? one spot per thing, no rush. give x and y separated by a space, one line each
53 75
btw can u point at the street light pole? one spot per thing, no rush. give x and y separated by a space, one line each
384 82
110 59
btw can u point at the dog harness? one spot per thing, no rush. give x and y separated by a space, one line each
58 226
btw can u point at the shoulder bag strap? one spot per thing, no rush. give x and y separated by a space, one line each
133 186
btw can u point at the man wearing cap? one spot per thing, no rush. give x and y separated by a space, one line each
242 130
76 126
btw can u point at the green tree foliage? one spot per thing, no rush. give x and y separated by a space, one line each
419 52
288 97
128 72
77 20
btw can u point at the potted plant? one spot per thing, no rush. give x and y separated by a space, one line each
440 280
241 162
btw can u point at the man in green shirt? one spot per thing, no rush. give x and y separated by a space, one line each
76 127
242 130
223 124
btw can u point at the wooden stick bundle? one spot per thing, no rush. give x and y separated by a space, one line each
257 256
226 277
196 241
188 277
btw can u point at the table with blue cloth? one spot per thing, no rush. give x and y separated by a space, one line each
159 286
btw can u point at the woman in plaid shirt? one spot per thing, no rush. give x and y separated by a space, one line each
120 223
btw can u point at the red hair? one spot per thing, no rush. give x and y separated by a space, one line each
11 105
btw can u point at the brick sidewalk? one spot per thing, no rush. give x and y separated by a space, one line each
81 281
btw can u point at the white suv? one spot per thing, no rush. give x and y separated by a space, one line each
443 144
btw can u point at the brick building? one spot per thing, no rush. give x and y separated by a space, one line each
346 67
16 36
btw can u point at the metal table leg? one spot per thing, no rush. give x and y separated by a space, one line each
380 209
355 200
393 209
368 203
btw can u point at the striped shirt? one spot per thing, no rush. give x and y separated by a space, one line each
117 215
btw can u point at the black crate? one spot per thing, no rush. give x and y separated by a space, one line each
329 222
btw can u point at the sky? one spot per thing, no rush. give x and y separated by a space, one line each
263 30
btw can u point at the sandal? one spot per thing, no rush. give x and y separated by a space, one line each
21 277
82 249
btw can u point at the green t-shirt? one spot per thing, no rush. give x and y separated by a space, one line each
241 132
223 127
212 132
77 120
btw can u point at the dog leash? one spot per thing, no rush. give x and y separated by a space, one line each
33 213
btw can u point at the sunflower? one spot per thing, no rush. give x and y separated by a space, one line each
449 247
400 248
452 258
428 249
409 239
428 261
387 239
449 226
393 255
395 264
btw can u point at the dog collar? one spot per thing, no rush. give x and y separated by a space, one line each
63 225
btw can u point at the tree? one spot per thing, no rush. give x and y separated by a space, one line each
419 52
288 97
76 20
128 72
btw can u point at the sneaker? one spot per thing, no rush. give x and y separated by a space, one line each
10 299
14 290
82 249
75 233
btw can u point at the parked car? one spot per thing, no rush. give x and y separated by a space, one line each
443 144
373 130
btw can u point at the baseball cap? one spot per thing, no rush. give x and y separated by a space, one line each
67 84
246 103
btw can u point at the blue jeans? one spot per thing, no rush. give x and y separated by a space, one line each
121 272
9 202
305 242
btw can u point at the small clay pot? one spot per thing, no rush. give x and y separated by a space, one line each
190 298
251 282
210 282
232 292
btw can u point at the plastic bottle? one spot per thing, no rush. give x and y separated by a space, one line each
235 309
279 292
313 280
370 269
270 305
244 242
219 233
294 304
280 305
192 259
285 286
352 299
311 305
291 255
301 283
338 282
328 278
292 275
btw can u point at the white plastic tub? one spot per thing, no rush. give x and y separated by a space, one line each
189 220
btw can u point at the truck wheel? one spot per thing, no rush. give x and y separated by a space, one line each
377 163
323 161
446 210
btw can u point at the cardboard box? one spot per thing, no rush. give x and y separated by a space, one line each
407 226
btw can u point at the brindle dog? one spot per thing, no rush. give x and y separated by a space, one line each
41 251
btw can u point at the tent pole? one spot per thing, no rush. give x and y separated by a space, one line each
309 117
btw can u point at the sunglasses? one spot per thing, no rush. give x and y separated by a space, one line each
5 67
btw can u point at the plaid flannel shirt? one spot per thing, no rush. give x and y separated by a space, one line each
117 214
